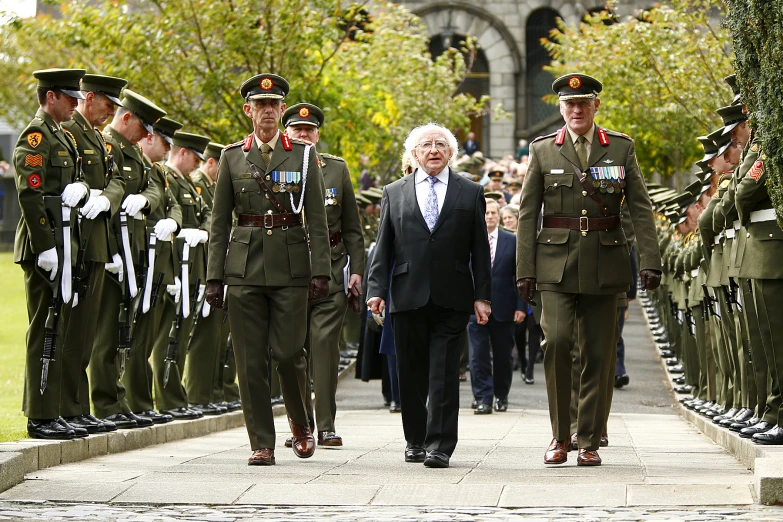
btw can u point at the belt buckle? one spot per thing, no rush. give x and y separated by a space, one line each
270 223
583 224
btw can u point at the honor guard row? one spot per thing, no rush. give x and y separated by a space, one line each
714 314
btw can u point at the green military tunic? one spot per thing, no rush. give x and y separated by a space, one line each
104 180
45 160
268 271
593 265
106 389
326 316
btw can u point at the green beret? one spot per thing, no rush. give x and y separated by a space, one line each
63 80
576 85
264 86
148 112
303 114
194 142
109 86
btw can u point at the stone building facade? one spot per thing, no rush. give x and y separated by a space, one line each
510 59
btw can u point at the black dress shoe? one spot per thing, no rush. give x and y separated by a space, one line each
501 405
84 423
686 399
529 381
206 409
728 421
739 426
668 354
483 409
685 388
277 400
105 425
740 418
141 422
80 432
676 369
49 429
182 413
760 427
394 407
436 459
155 417
235 405
729 414
674 361
121 421
474 404
771 437
415 453
621 380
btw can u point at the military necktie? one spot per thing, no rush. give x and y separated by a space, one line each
265 150
581 151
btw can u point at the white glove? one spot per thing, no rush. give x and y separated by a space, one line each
115 267
164 228
73 194
94 206
174 290
193 236
201 289
133 204
49 262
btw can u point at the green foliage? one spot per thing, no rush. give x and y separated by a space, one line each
662 74
757 31
12 350
375 81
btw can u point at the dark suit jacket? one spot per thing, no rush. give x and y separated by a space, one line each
505 299
470 146
451 265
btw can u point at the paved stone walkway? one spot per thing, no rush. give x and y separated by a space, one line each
657 467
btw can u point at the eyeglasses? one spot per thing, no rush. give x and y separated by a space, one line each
440 145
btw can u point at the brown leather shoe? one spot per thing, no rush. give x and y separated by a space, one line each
262 457
588 458
574 443
303 442
604 440
329 438
557 452
289 442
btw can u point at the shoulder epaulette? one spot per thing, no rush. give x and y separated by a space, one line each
232 145
195 176
544 137
300 141
620 134
332 156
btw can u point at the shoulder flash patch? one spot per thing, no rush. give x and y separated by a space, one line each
560 139
286 142
725 183
248 142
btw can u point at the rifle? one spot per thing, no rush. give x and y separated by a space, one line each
709 308
733 287
182 312
81 277
690 321
197 309
137 308
156 290
729 301
57 214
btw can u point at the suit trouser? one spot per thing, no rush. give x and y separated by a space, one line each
262 317
768 296
203 358
760 365
78 338
225 388
428 355
596 317
39 295
491 358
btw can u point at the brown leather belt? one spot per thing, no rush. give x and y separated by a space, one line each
583 224
268 220
335 238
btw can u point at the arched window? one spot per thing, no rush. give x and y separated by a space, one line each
538 82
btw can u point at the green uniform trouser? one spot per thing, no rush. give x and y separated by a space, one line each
323 357
747 378
759 363
768 296
201 367
705 390
263 317
690 354
730 349
78 339
160 349
596 318
105 362
39 406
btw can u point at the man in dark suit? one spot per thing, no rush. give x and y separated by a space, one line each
432 225
471 146
491 344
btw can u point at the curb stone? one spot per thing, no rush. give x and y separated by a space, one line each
30 455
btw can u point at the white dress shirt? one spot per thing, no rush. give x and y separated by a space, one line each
423 188
493 244
589 135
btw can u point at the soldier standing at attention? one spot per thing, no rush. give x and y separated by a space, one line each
107 188
45 162
303 121
270 180
579 259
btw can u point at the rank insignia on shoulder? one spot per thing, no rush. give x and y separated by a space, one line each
34 139
754 147
286 142
725 183
248 142
560 138
34 180
756 171
603 138
33 160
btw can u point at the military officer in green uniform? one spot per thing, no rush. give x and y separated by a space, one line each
163 224
45 161
122 292
270 181
303 121
579 259
107 188
187 150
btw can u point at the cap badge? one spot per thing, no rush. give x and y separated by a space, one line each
304 112
266 84
574 82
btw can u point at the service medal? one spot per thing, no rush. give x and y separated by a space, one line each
275 188
296 189
610 189
596 183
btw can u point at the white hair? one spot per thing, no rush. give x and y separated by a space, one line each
415 135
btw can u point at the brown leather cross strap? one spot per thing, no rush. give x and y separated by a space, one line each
583 224
590 189
335 238
268 220
260 180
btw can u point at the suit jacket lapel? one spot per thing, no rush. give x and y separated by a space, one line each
597 151
409 191
452 193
